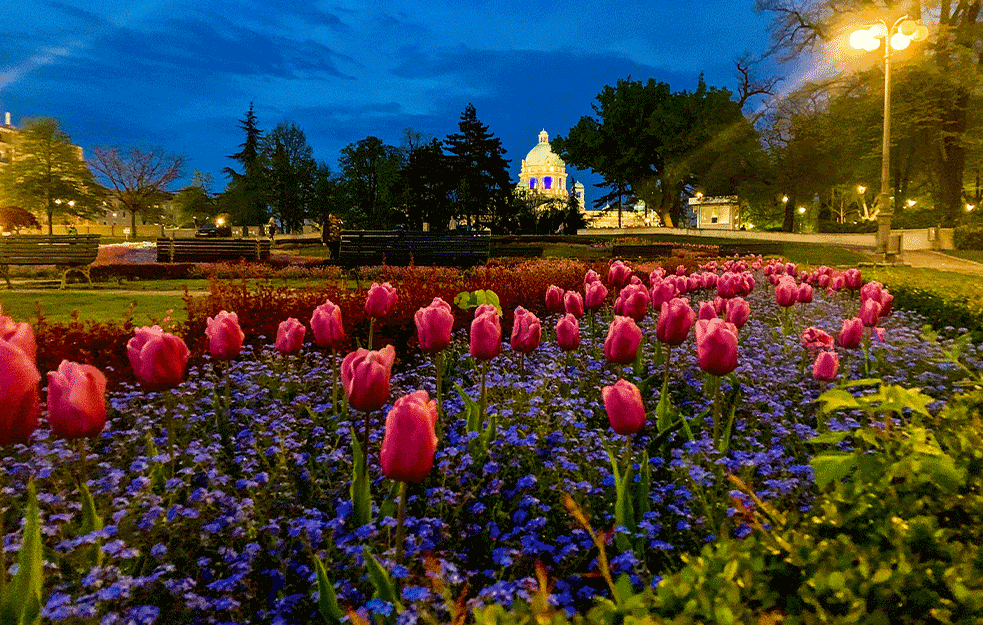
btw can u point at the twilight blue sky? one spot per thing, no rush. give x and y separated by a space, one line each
179 73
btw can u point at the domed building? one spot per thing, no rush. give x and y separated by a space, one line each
544 172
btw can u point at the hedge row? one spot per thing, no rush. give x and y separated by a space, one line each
968 237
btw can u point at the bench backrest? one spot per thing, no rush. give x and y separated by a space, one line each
42 249
208 250
450 247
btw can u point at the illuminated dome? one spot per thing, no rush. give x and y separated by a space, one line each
543 154
543 171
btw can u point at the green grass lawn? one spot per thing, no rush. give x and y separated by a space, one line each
57 306
973 255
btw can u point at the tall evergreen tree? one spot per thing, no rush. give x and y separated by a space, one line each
426 183
483 187
289 175
245 196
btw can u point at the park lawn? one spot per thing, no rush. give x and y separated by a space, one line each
148 307
973 255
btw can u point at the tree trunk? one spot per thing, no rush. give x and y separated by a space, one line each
133 222
788 225
952 160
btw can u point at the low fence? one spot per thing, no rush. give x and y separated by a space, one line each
911 240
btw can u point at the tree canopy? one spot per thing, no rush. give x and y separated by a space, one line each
137 179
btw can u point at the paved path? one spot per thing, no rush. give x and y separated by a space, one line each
943 262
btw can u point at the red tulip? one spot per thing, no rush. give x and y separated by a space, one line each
596 293
675 320
554 299
18 395
573 304
591 276
707 311
786 293
158 358
224 336
716 346
850 333
727 285
623 403
486 335
661 292
887 302
633 301
738 311
836 283
526 331
485 309
619 274
804 295
568 333
410 440
852 279
20 335
327 327
290 336
826 367
870 312
822 281
680 270
433 326
380 300
76 400
365 377
623 340
657 274
815 339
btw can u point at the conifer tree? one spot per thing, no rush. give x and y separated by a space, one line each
483 187
246 193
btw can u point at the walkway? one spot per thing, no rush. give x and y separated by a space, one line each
943 262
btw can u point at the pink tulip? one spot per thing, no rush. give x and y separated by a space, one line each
554 299
365 377
224 336
290 336
76 400
596 293
826 367
568 333
680 270
738 311
433 326
619 274
410 440
786 293
19 379
716 346
380 300
822 281
814 339
675 320
836 283
852 279
887 302
623 340
871 290
707 311
623 404
851 333
727 285
633 301
661 293
877 334
804 295
573 304
526 331
327 326
484 309
870 312
591 276
486 335
20 335
657 274
158 358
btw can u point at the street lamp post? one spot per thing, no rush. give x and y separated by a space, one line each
898 36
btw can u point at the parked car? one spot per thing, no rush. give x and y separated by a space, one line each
213 230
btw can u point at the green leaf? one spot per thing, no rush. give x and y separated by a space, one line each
327 600
22 606
832 466
942 471
360 494
625 589
624 514
664 410
838 399
465 300
731 411
829 438
471 411
388 506
91 522
385 588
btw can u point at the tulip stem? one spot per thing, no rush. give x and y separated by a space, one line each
169 424
371 325
483 401
438 362
401 522
716 410
365 455
522 364
665 378
334 380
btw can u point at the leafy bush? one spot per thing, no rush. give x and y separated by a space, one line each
857 227
968 237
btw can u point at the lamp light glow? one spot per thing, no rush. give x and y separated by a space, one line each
899 41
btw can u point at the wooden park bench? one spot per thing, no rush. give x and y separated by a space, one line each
211 250
651 250
450 248
68 252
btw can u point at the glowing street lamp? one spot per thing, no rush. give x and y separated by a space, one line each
898 36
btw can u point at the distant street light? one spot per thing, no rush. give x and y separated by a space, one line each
898 37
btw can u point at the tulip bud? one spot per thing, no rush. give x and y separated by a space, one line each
707 311
596 293
20 335
727 285
290 336
716 346
76 400
852 279
738 311
486 336
410 441
568 333
661 293
526 331
633 301
433 326
623 404
814 339
573 304
870 312
623 340
619 274
675 320
850 333
327 326
19 379
887 302
786 293
826 366
871 290
224 336
680 270
380 300
804 295
158 358
554 299
365 377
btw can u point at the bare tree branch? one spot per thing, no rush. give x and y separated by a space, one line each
749 85
138 178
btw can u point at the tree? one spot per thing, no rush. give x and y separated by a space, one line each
426 185
195 202
138 179
47 174
13 218
290 174
369 172
246 198
482 185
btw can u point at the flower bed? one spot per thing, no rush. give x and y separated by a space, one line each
260 486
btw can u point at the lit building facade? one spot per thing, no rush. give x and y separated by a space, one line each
543 172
